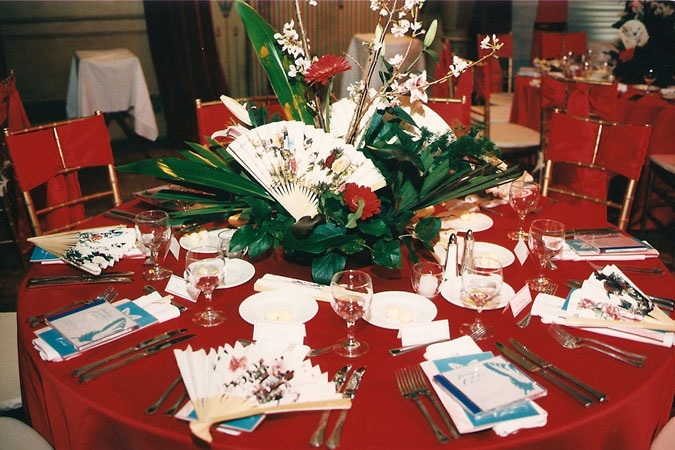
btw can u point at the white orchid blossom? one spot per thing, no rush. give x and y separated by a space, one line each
417 84
458 66
485 44
400 28
395 60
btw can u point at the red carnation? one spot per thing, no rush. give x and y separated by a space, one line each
627 54
355 193
326 67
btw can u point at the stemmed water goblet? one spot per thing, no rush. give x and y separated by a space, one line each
546 238
523 198
153 230
351 292
481 282
205 271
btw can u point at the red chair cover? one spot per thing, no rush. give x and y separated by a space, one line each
496 74
554 45
216 117
575 43
453 113
603 100
444 60
552 92
36 159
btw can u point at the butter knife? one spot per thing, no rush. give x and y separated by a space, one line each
350 392
79 276
532 367
83 280
139 346
339 379
147 352
541 362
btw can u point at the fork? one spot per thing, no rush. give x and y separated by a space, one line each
401 350
572 344
626 268
567 335
405 386
525 321
421 384
108 295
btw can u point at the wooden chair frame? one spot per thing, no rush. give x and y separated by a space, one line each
34 214
629 195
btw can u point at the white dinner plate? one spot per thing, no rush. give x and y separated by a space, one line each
237 271
420 308
288 306
494 251
474 221
210 241
451 292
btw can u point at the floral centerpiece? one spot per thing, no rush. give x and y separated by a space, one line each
337 178
647 32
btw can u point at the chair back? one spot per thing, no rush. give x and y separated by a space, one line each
554 45
214 116
596 149
51 156
455 111
497 74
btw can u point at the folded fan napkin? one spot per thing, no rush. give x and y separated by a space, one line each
551 310
153 308
466 346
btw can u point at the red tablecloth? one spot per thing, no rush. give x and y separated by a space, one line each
633 107
108 412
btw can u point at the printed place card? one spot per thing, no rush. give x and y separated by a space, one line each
520 300
424 332
178 286
293 333
521 251
174 247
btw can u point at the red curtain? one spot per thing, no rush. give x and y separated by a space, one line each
184 54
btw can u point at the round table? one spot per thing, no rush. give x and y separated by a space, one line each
108 412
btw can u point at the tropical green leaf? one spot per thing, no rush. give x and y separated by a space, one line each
205 154
387 253
291 95
374 227
427 228
324 267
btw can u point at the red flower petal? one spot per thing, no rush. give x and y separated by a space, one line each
326 67
353 193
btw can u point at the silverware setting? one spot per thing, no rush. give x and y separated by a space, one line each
525 321
174 408
627 268
339 380
111 277
139 346
534 368
570 341
108 295
408 389
130 358
667 304
349 392
152 409
312 351
402 350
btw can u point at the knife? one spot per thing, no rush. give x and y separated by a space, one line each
118 216
147 352
339 379
532 367
350 392
83 280
606 230
547 365
79 276
139 346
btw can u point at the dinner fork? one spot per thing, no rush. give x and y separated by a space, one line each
525 321
572 344
626 268
421 385
108 295
567 335
407 390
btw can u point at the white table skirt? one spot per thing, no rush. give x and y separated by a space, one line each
110 81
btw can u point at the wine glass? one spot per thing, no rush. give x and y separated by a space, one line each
481 282
546 238
351 292
650 77
523 198
153 230
205 270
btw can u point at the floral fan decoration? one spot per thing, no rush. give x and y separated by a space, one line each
263 378
295 193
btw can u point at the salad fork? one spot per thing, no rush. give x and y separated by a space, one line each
108 295
572 344
578 340
407 390
421 385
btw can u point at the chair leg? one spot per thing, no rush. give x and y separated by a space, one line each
648 195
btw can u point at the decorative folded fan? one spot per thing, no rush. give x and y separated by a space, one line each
91 250
295 162
263 378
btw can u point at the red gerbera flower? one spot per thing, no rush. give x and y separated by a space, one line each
355 193
326 67
627 54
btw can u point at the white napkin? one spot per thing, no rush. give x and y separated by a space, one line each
159 307
550 309
466 346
